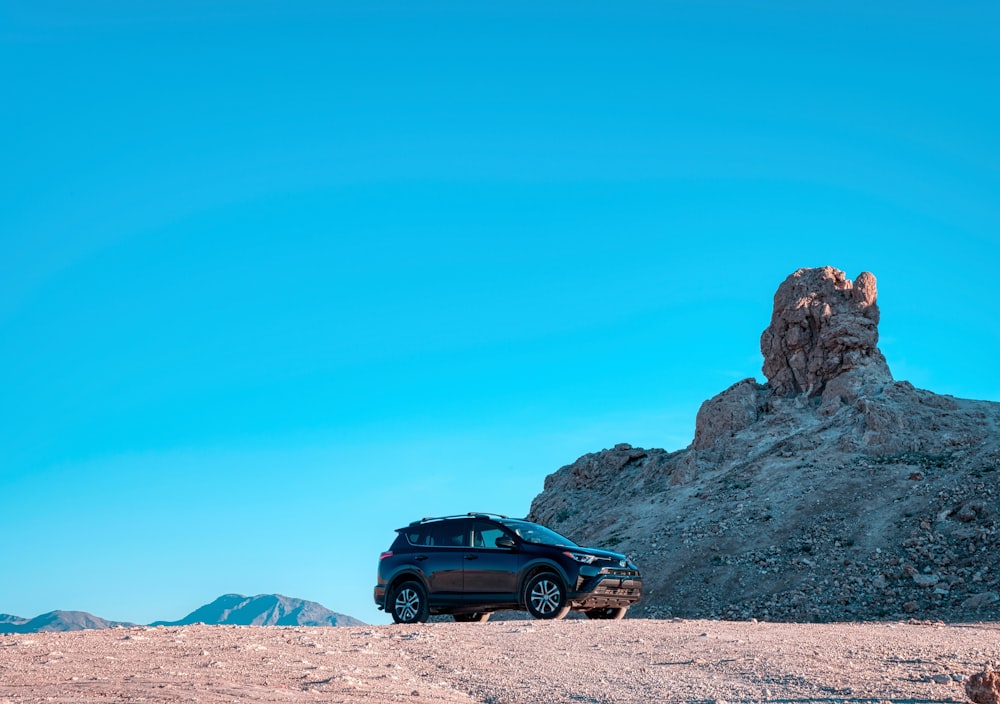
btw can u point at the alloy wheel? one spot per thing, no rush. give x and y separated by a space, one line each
546 597
407 604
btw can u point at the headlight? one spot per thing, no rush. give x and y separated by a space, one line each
580 557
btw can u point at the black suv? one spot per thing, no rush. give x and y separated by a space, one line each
472 565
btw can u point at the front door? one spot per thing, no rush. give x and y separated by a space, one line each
488 568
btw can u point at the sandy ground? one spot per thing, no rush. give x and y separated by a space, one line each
528 662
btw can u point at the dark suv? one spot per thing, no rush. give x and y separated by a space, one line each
472 565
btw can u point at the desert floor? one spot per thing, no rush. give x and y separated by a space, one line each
534 662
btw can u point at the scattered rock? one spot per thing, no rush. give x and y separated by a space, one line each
633 661
925 580
978 601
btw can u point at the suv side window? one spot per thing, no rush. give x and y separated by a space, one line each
485 535
449 534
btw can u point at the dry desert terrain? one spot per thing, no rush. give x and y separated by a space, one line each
529 662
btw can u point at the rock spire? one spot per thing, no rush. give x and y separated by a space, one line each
823 327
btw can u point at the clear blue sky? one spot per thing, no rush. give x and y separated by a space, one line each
280 277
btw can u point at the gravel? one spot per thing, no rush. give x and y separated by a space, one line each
500 662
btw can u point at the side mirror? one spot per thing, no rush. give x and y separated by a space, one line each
505 541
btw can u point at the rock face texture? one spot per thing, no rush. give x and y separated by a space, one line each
831 492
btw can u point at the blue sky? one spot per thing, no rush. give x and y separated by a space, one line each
281 277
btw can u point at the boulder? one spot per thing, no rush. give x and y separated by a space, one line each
984 687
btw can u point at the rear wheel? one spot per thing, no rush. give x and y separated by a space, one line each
409 603
545 596
611 612
477 617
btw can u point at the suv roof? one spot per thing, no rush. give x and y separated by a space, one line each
471 514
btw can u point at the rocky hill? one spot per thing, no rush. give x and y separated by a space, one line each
831 492
264 610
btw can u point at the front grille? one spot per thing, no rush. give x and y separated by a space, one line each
626 589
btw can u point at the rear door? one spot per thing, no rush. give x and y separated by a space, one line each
443 558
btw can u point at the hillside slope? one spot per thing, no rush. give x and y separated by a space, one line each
830 493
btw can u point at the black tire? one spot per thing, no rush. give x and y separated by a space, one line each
477 617
545 597
610 612
409 604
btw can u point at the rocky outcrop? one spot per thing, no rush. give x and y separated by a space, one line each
823 327
737 408
831 492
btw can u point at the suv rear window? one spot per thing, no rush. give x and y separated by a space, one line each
417 535
449 534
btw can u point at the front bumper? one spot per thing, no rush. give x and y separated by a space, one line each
613 588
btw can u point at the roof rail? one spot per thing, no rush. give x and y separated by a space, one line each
470 514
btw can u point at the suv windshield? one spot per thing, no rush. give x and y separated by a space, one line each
534 533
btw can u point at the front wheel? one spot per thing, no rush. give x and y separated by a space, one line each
409 603
610 612
545 597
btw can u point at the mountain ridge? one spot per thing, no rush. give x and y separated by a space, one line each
260 610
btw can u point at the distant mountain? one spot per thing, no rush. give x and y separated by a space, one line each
263 610
56 621
230 609
8 619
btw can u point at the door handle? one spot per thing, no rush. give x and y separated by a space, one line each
472 557
420 558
